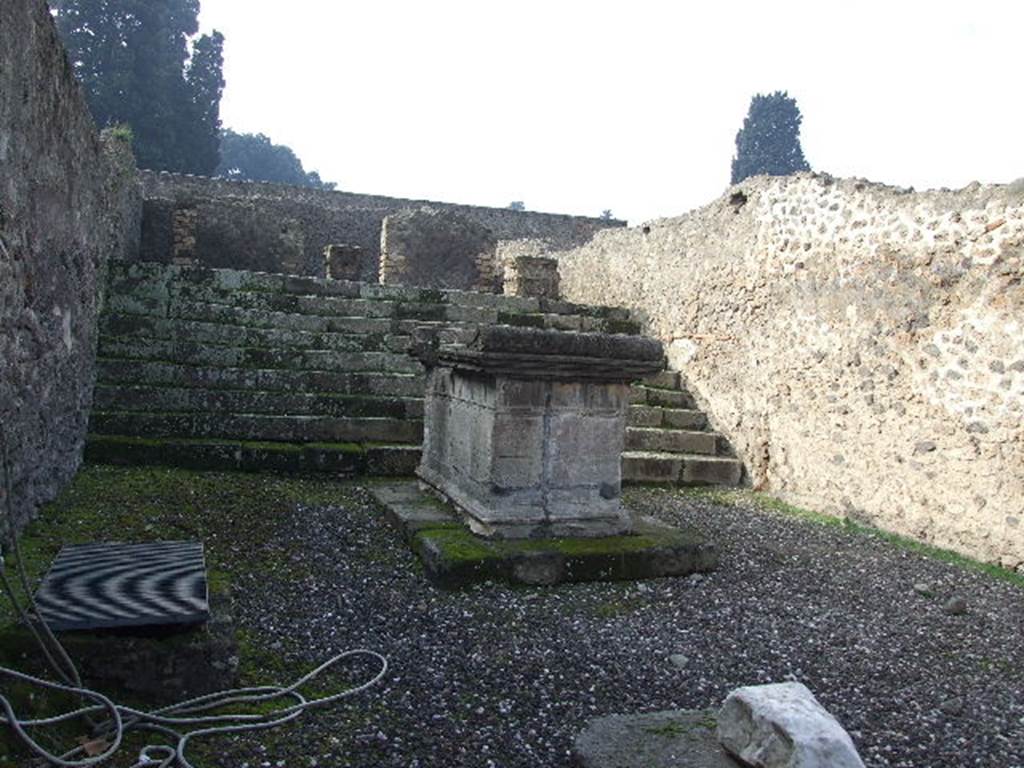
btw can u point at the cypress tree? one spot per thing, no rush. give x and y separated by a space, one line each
769 141
134 62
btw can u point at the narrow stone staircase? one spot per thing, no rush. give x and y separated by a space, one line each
226 369
668 439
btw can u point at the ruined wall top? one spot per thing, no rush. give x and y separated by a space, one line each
281 228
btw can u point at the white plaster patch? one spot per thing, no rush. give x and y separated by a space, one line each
680 352
66 336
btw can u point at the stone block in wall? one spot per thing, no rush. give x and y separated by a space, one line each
343 261
437 249
291 247
535 276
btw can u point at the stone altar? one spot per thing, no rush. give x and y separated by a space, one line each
524 428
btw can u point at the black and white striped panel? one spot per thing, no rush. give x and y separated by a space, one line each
92 586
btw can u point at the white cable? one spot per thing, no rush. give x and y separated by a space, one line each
122 719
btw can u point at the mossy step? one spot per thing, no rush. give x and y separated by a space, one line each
269 380
107 397
139 328
314 319
454 557
665 398
671 440
680 469
331 306
666 418
260 318
259 427
323 306
344 459
663 380
188 352
157 281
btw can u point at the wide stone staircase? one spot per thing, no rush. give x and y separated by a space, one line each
226 369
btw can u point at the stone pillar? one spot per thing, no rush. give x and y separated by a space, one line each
343 261
291 248
184 233
535 276
524 428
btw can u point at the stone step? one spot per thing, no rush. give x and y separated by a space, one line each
666 418
270 380
344 459
663 380
153 289
328 314
671 440
257 427
680 469
160 282
334 306
143 398
139 327
665 398
188 352
261 318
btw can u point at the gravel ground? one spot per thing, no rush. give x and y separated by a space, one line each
500 676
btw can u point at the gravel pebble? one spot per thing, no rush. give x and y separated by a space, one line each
503 676
955 606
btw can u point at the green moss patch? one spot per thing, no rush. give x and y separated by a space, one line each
455 557
343 459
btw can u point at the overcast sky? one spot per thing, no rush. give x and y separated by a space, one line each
632 106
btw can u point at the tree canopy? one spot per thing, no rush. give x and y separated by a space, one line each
141 65
254 157
769 141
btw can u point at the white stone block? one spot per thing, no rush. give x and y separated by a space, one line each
783 726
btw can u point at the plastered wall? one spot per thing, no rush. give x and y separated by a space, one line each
862 346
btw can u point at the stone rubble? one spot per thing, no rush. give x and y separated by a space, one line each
782 725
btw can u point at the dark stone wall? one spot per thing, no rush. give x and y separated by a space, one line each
278 228
437 249
68 200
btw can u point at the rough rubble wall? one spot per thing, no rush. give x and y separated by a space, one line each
437 249
66 203
279 228
861 346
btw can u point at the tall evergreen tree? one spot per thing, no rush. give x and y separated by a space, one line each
206 85
769 141
133 59
254 157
